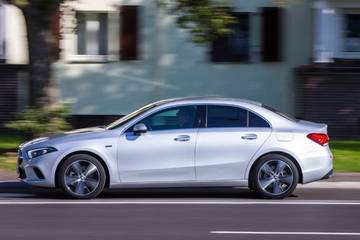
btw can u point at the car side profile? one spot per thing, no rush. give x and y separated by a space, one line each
184 142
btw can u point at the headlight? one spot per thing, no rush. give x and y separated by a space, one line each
40 151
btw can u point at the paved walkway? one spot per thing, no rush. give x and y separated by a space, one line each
344 177
7 175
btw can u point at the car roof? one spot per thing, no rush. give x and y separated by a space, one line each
209 99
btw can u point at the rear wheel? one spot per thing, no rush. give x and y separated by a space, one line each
274 176
82 176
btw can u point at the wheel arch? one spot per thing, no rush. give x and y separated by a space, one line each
292 158
107 183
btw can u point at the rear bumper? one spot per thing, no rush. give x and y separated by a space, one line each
328 175
317 165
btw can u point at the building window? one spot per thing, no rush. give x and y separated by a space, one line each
92 33
107 36
2 34
352 32
233 47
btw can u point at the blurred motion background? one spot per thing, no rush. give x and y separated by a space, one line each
112 56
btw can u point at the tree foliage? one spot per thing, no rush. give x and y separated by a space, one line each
205 19
36 122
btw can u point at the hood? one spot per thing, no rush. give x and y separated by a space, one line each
84 130
76 132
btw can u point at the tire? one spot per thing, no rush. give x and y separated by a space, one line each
274 176
82 176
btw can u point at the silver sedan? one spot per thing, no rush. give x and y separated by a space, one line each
187 142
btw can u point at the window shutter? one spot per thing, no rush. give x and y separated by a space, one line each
129 39
272 20
55 32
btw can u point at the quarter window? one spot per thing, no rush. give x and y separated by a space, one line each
226 117
256 121
174 118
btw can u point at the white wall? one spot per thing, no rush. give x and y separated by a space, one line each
15 36
172 66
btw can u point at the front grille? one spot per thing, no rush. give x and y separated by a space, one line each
20 157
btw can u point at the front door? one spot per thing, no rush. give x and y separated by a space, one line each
165 153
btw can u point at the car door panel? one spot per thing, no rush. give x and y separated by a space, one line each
224 153
226 144
160 154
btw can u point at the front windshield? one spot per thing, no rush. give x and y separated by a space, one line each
130 116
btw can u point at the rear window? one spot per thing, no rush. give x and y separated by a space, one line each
284 115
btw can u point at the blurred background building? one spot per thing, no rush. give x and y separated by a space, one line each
300 56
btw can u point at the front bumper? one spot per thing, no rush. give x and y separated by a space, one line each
37 171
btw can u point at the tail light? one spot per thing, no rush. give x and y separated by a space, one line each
320 138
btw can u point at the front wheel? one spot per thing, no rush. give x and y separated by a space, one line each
82 176
274 176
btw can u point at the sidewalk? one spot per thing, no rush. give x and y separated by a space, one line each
344 177
7 175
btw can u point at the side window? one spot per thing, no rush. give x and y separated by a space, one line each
256 121
226 117
173 118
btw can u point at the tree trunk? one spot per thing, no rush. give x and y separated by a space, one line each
42 87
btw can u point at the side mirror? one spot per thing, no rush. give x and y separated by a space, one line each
139 129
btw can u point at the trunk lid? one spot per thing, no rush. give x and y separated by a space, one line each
312 126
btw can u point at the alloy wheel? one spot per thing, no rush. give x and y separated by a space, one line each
275 177
82 177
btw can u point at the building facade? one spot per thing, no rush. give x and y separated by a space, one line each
126 53
117 55
330 86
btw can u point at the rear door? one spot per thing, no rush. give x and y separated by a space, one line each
230 138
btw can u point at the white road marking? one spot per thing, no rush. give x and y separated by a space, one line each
9 181
287 233
136 202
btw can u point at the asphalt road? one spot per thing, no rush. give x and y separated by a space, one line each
27 213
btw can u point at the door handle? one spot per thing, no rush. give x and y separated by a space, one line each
249 137
182 138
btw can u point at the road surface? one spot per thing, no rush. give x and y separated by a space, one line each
311 213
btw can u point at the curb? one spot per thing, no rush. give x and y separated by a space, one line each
328 185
